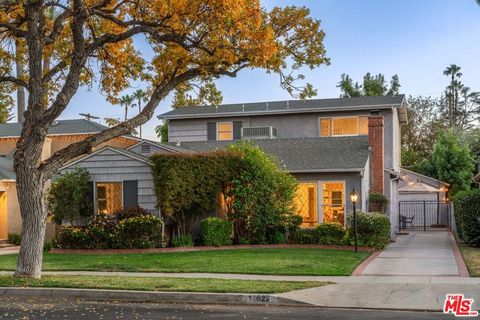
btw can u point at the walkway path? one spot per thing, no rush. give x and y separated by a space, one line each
417 254
9 250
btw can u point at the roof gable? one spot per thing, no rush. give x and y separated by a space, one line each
124 152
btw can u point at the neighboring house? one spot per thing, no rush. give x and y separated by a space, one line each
60 135
331 146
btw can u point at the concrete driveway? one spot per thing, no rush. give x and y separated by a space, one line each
416 254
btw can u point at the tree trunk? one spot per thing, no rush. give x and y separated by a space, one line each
20 89
30 190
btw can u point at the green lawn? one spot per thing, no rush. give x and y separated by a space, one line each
326 262
159 284
471 256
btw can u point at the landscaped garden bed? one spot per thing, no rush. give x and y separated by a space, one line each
159 284
467 218
287 261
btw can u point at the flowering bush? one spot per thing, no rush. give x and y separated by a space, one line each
126 229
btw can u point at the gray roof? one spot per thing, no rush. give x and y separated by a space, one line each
287 106
74 126
329 154
6 169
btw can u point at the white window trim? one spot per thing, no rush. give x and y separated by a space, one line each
340 135
224 122
95 198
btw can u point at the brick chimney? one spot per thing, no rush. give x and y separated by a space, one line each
375 142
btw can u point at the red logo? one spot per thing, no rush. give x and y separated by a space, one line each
459 306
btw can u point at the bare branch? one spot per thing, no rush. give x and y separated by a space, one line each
52 164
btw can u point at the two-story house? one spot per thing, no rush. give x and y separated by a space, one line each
332 146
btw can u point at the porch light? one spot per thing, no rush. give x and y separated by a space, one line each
354 198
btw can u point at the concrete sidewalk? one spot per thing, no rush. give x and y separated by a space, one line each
335 279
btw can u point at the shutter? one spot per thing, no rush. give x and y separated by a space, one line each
87 210
211 131
130 193
237 130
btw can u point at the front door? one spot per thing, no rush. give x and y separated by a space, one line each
3 215
333 202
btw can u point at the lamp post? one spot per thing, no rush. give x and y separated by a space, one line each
354 198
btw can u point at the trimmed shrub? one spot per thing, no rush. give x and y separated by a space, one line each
378 201
182 241
330 233
467 216
216 232
72 238
305 236
141 232
14 238
373 230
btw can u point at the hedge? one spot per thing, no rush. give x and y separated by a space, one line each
216 232
467 216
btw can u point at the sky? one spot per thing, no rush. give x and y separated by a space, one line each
415 39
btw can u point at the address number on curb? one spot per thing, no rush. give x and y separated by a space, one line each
260 299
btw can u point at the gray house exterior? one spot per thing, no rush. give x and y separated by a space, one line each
331 146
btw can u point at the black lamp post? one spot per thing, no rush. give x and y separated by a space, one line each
354 198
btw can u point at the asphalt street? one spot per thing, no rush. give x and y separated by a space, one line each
14 308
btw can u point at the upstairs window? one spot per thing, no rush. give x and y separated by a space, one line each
224 131
343 126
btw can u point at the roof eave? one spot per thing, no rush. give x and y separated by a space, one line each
326 170
286 111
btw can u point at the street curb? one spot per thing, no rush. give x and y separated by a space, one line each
150 296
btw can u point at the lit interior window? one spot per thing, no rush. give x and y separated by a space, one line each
109 197
225 131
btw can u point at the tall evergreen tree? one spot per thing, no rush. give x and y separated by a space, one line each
371 86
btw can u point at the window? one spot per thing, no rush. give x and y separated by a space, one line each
343 126
224 131
333 204
109 197
306 203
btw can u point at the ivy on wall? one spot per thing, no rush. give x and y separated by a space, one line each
262 192
188 185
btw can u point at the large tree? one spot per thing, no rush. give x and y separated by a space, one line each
192 41
453 161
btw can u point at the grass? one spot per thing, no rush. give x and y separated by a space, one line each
321 262
160 284
471 256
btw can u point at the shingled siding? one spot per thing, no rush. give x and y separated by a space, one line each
108 165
